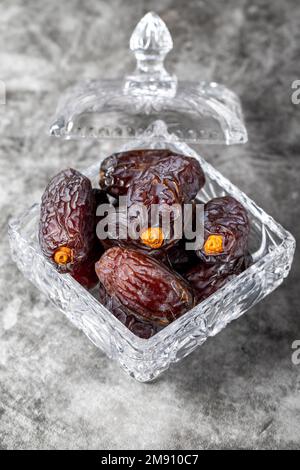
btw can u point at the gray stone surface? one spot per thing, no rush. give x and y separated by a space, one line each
240 389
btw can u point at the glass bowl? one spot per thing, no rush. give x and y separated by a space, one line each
272 248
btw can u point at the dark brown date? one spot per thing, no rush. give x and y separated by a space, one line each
226 230
139 327
143 285
118 171
151 240
174 257
154 188
187 173
100 197
156 192
85 273
180 259
156 254
205 279
67 220
160 195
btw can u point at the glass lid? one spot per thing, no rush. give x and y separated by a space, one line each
199 112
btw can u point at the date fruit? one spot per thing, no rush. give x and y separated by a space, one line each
143 285
226 230
159 195
67 220
118 171
139 327
180 259
205 279
85 273
100 197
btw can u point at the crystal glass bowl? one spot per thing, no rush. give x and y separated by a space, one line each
271 245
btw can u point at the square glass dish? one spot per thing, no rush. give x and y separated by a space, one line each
272 250
151 109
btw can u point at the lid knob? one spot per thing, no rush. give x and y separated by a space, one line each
151 41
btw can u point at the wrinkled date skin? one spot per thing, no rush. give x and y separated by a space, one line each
160 255
143 285
152 188
85 273
118 171
174 257
139 327
67 220
146 191
152 177
205 279
165 194
225 220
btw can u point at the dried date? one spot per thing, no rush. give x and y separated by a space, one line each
67 220
180 259
226 230
143 285
85 273
118 171
100 197
131 224
205 279
139 327
158 180
158 196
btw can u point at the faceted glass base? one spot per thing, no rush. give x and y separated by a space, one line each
272 248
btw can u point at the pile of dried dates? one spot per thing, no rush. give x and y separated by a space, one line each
149 280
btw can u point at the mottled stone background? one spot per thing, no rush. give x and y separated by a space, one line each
240 389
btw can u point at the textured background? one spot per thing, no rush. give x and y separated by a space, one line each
240 389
